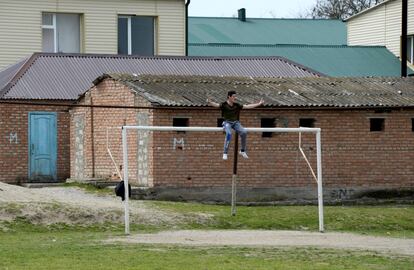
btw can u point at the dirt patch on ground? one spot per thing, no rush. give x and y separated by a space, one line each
74 206
276 239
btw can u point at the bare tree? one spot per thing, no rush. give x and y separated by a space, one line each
340 9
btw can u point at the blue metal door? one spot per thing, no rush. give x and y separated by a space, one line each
42 146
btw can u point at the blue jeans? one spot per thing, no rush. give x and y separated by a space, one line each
227 126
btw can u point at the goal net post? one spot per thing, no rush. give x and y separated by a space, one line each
300 130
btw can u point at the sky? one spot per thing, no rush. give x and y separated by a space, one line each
254 8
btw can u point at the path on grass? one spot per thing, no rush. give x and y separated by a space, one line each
275 239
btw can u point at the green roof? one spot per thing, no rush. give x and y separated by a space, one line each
335 61
266 31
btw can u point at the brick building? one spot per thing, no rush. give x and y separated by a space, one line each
37 93
17 154
367 135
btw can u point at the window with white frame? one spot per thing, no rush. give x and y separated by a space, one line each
136 35
410 49
61 32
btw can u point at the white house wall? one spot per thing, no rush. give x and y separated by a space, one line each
393 26
380 26
21 25
367 30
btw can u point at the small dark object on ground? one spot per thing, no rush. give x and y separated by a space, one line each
120 190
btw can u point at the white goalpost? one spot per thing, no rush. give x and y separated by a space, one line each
300 130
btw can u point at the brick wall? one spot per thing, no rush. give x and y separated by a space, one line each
100 129
352 155
14 154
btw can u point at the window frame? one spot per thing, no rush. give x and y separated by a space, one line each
267 120
412 124
187 119
372 124
307 119
54 27
129 31
220 121
411 48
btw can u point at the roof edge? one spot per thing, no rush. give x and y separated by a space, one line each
95 82
180 57
19 74
255 18
122 77
74 103
101 78
319 74
282 45
367 10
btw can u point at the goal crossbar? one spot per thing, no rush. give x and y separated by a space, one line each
216 129
316 131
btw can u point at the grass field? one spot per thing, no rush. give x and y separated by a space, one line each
31 247
24 245
391 220
34 248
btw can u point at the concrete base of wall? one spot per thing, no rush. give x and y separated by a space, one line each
282 196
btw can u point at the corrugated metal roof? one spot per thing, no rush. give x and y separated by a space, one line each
266 31
7 74
276 92
336 61
66 76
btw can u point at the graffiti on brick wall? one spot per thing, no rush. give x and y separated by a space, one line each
178 143
342 193
13 138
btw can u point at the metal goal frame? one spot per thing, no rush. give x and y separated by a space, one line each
300 130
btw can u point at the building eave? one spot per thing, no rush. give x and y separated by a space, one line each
367 10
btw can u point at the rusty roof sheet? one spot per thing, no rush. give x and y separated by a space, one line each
66 76
276 92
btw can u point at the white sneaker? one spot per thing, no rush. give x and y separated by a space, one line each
224 156
243 154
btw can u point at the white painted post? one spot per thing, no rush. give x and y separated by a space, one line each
319 171
125 157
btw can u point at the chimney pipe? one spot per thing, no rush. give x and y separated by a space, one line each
242 14
404 19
